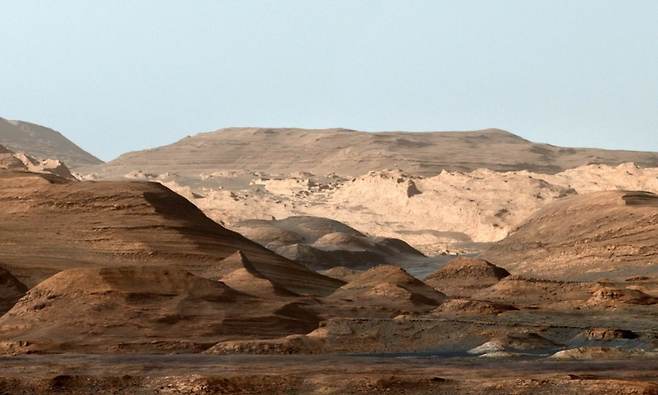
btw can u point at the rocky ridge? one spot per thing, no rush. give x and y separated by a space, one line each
43 143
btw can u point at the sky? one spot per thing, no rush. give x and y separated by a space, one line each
117 76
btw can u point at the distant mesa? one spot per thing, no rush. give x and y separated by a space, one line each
354 153
390 184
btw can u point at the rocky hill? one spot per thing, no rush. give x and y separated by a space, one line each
322 243
11 290
133 308
611 234
43 143
49 224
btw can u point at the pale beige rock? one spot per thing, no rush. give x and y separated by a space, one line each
599 353
452 190
352 153
19 161
449 211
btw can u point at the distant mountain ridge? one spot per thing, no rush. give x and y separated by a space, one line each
353 153
43 143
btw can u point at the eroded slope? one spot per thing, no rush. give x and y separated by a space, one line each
583 236
80 224
43 143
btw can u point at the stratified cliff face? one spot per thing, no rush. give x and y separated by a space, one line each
612 232
43 143
11 290
353 153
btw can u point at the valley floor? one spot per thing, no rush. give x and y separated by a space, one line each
325 374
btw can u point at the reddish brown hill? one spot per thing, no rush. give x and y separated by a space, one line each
463 276
391 287
322 243
131 308
591 236
49 224
240 274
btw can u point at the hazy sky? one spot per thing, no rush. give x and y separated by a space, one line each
117 75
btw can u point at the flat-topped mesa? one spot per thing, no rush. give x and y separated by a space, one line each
354 153
82 224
